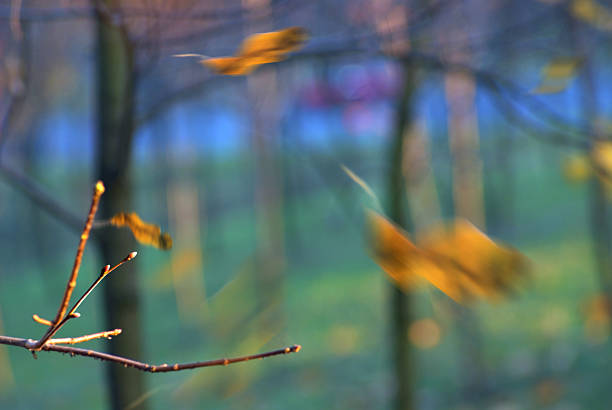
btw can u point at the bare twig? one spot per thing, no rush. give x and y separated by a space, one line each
95 200
73 351
37 195
74 340
52 345
42 321
72 313
59 318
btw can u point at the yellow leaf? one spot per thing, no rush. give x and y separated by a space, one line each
145 233
577 168
556 75
561 67
550 88
258 49
274 43
597 321
229 65
459 260
602 157
592 12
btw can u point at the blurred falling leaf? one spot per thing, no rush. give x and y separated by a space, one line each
580 167
145 233
597 312
562 68
362 184
593 13
459 260
557 74
239 327
602 158
258 49
577 168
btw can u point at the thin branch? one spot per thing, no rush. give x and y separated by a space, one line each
40 197
59 318
47 344
73 313
163 368
74 340
186 92
41 320
95 200
45 201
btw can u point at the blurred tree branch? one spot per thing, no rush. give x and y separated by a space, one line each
41 198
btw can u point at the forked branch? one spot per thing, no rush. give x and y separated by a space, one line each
46 343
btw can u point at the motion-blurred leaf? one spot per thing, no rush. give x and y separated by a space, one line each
459 259
366 188
593 13
258 49
577 168
557 74
580 167
597 311
144 232
602 158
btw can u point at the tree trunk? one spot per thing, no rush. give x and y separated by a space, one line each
114 140
468 204
599 210
263 95
396 208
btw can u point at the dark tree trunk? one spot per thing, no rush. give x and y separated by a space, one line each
599 210
114 140
396 208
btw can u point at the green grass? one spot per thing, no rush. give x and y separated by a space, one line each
335 306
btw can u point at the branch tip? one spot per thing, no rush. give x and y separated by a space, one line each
99 190
42 321
131 256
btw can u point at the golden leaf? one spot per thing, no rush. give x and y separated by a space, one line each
592 12
258 49
577 168
460 260
145 233
562 67
557 74
598 162
602 157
